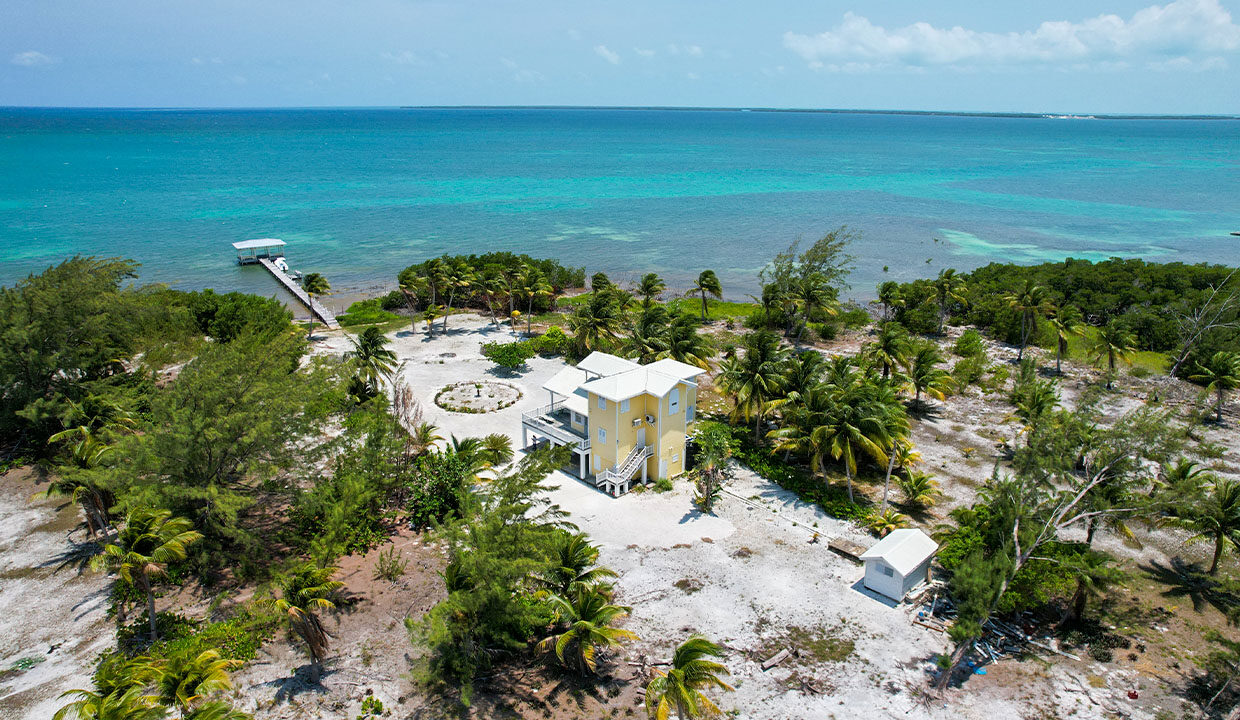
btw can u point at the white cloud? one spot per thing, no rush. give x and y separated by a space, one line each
33 58
1195 30
693 50
644 52
404 57
608 55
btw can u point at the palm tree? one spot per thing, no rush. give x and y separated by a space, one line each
1031 301
1032 402
889 296
812 295
423 438
458 277
650 286
595 323
925 375
314 285
89 423
1066 322
574 560
150 540
303 591
413 285
491 283
532 285
681 688
589 615
130 704
685 344
186 679
882 522
430 315
948 288
1112 343
1221 373
495 449
1094 573
88 491
707 284
648 337
216 710
374 361
1215 517
890 348
858 426
1181 478
919 488
755 378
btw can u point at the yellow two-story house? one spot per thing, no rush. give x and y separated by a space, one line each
625 422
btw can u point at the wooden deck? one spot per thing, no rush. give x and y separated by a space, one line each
322 313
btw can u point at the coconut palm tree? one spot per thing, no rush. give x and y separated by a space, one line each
948 289
532 285
919 488
889 296
574 563
413 285
811 295
87 491
491 284
588 614
423 438
925 375
1221 374
682 688
1181 478
707 284
1032 301
858 426
1067 323
648 337
430 315
370 354
890 349
304 591
217 710
149 541
1111 343
495 449
595 323
1215 517
650 287
882 522
131 704
1094 573
754 378
1032 402
685 344
459 278
314 285
185 679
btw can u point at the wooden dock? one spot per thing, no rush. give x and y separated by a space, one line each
323 314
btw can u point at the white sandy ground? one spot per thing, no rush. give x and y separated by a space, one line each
778 580
654 540
46 611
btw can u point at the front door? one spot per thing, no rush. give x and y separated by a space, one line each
641 436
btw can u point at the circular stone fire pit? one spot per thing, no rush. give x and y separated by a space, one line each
482 396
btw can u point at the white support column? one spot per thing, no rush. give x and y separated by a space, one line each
525 437
581 462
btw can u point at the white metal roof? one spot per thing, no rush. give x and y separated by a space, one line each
675 368
643 380
902 549
567 384
260 243
601 363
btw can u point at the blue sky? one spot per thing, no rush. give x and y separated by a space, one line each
1116 56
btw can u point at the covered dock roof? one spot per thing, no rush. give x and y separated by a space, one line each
260 243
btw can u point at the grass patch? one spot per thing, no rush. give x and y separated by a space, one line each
688 585
1143 361
809 646
238 637
715 309
367 312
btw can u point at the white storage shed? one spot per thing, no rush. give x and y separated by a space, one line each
898 563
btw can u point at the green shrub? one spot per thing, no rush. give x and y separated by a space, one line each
394 300
969 370
663 485
552 342
826 330
969 344
833 500
238 637
366 312
437 488
854 316
509 355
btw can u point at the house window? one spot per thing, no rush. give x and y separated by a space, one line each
690 412
624 406
602 403
888 571
673 402
602 435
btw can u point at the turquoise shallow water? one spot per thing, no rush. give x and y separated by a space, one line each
359 194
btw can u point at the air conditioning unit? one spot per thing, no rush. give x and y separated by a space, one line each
650 419
637 422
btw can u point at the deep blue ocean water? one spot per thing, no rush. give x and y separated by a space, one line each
359 194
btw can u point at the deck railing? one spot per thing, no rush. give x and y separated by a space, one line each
539 421
624 471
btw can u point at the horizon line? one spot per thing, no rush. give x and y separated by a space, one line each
665 108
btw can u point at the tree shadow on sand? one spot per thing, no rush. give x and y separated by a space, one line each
1187 580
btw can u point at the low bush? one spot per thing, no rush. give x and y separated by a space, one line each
969 344
238 637
366 312
552 342
509 355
